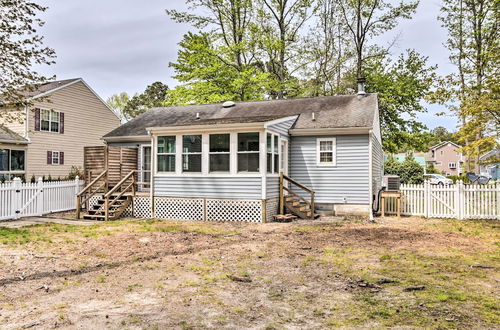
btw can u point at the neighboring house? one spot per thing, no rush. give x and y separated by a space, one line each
66 116
488 168
223 161
445 158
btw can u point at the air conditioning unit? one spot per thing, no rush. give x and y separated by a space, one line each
391 182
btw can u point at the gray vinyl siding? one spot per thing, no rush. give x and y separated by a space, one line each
272 186
283 127
348 179
377 164
208 187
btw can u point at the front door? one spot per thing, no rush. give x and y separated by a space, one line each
146 165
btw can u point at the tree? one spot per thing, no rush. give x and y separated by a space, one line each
280 24
401 86
118 101
366 19
154 96
22 48
472 91
206 78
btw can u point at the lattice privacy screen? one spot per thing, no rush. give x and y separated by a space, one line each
271 208
179 208
93 201
234 210
142 207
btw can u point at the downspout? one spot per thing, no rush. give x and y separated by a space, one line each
370 174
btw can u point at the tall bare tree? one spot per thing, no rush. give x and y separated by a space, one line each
369 18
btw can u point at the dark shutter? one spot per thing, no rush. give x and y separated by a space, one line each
37 119
49 157
61 157
61 122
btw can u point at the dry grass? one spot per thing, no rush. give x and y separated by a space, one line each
163 274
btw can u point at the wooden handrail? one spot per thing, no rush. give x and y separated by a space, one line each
300 185
84 190
311 203
118 185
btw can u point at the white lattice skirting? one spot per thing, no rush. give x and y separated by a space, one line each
199 209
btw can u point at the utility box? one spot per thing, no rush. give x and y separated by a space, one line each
391 182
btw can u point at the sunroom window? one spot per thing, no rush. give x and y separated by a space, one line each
166 153
12 160
191 153
219 153
248 152
272 153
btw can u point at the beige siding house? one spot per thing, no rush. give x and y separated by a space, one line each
66 116
446 158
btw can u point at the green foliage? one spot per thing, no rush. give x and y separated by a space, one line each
22 49
432 170
74 172
33 179
401 86
154 96
118 101
409 170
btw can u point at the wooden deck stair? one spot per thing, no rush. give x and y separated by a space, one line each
294 202
113 202
98 210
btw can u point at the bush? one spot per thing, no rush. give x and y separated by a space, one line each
74 172
409 171
455 178
432 170
33 179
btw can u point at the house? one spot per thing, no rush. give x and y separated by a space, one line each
489 165
223 161
50 135
446 158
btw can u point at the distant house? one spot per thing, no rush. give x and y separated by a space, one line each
49 137
223 161
446 158
490 169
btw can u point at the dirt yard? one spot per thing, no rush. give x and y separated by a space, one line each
162 274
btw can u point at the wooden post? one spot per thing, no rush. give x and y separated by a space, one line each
282 195
399 205
264 209
312 205
106 209
383 205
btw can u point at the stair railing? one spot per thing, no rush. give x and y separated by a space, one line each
110 198
89 191
289 191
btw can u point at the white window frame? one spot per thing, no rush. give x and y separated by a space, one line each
273 152
210 153
192 153
250 152
155 153
454 165
333 151
50 121
58 158
9 170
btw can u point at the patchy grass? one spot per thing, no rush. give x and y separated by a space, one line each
165 274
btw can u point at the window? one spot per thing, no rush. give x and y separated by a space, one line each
272 153
166 153
50 121
219 153
191 153
12 160
326 152
248 152
442 152
452 165
55 158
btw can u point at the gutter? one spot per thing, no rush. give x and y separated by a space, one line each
329 131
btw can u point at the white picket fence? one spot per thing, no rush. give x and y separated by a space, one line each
19 199
460 201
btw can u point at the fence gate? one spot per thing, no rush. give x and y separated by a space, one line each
19 199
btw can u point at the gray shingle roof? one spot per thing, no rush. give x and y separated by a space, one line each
330 112
8 136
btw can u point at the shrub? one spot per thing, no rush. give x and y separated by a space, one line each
409 171
49 178
33 179
74 172
432 170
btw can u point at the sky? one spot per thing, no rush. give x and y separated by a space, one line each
124 45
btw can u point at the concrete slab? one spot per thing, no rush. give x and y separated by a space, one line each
23 222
